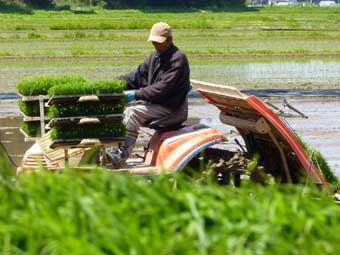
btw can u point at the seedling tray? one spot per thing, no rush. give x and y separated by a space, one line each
84 143
32 118
32 128
33 98
28 138
95 119
72 99
39 113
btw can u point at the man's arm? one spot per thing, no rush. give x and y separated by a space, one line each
137 78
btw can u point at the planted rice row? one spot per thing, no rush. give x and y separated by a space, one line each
296 17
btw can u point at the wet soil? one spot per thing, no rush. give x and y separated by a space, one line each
321 130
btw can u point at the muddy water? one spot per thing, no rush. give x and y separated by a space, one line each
315 73
253 74
10 136
321 130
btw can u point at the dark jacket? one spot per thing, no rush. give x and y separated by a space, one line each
162 79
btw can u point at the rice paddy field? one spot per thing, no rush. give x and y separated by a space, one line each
103 213
292 47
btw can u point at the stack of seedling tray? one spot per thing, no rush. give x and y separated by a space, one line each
33 93
87 114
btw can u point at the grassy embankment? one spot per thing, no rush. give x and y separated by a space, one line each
102 44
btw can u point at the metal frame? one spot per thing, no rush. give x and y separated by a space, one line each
260 126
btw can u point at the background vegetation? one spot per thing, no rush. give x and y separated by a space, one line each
65 4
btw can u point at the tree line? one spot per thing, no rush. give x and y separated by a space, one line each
117 4
174 3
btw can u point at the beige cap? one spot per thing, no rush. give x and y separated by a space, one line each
159 32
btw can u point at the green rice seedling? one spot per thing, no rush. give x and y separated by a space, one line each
86 109
253 163
80 88
5 54
101 25
320 162
24 27
31 128
33 35
29 108
301 51
110 86
41 84
103 130
79 51
74 35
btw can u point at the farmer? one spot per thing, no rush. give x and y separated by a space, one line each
162 82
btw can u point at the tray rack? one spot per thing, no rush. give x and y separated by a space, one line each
103 142
42 118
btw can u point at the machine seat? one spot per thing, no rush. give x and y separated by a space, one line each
172 121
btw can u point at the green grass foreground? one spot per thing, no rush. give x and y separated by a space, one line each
105 213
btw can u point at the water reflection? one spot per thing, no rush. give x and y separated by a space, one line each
265 73
12 139
242 74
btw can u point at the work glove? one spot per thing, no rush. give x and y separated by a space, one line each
130 95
